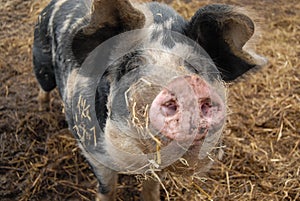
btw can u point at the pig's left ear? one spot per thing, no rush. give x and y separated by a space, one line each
107 19
223 31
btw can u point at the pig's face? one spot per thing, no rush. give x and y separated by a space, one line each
164 101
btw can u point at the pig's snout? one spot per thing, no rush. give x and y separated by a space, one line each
187 108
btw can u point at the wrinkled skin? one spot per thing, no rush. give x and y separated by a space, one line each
161 96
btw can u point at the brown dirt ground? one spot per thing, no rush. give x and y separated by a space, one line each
39 158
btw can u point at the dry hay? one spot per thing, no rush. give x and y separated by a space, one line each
40 161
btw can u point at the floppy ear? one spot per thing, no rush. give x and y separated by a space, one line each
223 31
107 19
114 13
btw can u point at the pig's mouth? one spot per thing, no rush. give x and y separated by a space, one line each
186 110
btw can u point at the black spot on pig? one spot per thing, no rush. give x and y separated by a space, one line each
101 101
44 72
167 21
124 65
42 53
162 14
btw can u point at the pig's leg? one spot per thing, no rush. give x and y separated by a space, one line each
107 182
44 100
150 191
151 188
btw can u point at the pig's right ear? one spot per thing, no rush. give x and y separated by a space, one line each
117 14
107 19
223 31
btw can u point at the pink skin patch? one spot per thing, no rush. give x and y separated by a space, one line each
186 109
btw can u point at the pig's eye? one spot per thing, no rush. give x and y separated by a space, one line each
130 62
190 67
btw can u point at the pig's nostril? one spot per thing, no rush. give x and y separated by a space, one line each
206 106
169 108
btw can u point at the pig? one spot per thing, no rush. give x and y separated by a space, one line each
143 88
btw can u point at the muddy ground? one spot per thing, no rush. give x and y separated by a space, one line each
39 159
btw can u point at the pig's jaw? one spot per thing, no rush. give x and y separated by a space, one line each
186 109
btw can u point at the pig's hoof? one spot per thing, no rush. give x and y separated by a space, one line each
97 198
101 197
44 107
44 100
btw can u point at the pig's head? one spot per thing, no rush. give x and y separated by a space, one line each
157 89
